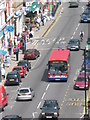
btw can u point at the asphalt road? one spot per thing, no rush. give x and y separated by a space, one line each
71 101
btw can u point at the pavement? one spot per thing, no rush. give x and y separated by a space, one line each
37 34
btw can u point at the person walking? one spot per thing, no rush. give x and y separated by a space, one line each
3 71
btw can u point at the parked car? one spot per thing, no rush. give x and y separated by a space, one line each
11 117
13 78
25 63
31 54
3 98
80 82
50 109
74 44
25 93
21 69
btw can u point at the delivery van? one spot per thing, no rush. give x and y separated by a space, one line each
3 98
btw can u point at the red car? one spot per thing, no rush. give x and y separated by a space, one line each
80 82
21 69
3 98
31 54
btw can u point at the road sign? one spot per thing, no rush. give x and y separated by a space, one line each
10 28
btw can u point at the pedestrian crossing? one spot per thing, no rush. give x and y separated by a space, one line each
49 41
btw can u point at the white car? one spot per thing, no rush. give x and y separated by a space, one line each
25 93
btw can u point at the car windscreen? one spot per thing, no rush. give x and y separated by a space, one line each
11 76
24 91
81 79
58 67
49 106
17 69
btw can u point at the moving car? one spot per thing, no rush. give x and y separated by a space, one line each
50 109
13 78
80 82
3 98
25 63
73 3
74 44
11 117
31 54
25 93
21 69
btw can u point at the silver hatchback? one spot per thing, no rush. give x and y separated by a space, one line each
25 93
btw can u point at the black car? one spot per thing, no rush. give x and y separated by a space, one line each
74 44
13 78
50 109
12 117
25 63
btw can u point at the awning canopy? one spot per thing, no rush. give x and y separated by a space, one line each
34 7
2 52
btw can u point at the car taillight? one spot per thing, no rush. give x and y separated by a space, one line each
55 114
43 113
17 80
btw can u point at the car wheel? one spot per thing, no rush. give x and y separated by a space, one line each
6 104
3 108
28 69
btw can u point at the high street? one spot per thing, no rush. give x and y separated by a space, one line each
71 101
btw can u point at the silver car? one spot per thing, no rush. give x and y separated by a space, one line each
25 93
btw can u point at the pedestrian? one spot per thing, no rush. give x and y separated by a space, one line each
7 60
3 71
17 52
23 48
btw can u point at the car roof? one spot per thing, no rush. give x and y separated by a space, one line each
75 40
11 116
12 72
51 101
17 66
24 88
30 50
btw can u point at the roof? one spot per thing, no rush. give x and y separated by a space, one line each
59 55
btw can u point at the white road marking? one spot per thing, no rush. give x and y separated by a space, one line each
59 39
54 39
43 95
72 37
36 62
33 114
39 105
74 33
47 86
78 24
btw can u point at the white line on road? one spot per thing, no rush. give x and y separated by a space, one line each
74 33
43 95
54 39
39 105
47 86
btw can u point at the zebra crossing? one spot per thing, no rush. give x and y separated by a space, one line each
49 41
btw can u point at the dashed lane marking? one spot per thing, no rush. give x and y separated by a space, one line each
43 95
39 105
